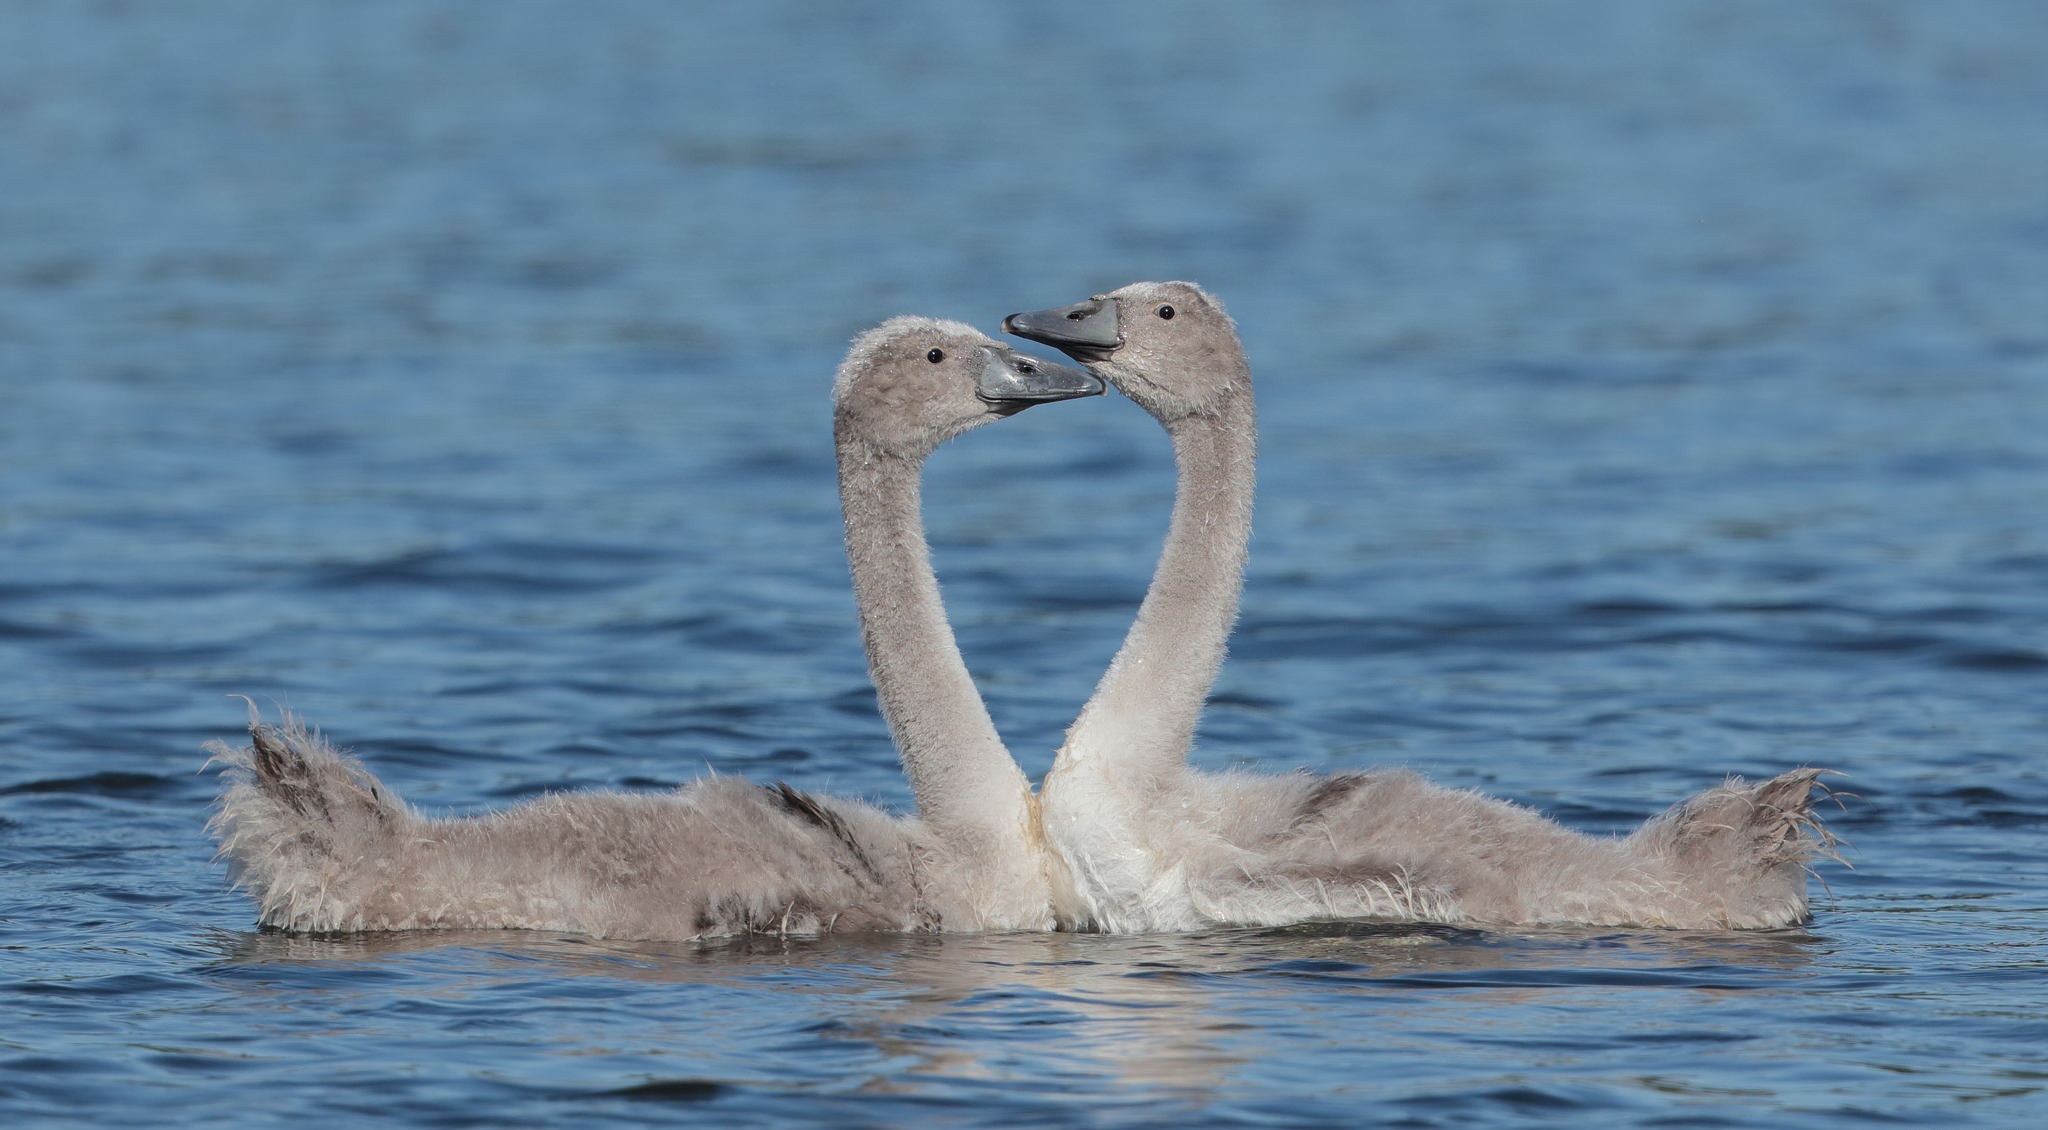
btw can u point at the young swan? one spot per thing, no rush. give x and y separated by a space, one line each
1152 845
323 846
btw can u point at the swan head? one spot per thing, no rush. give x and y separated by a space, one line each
1169 346
911 383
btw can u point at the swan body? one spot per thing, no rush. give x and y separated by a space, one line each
323 846
1145 843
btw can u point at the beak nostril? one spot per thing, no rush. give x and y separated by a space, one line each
1075 315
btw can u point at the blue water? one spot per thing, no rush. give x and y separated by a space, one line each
1648 392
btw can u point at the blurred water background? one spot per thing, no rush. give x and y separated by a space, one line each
1649 392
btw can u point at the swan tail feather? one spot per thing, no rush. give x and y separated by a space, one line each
297 820
1741 852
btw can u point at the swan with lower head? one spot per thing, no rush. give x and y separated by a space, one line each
1149 844
324 846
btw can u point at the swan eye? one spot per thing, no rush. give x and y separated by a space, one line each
1166 313
935 356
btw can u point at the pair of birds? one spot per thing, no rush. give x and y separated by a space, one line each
1123 837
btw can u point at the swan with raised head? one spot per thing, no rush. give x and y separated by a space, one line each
1150 844
323 846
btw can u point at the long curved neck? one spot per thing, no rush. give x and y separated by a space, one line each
968 788
1143 714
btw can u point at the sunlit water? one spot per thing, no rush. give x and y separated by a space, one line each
1648 393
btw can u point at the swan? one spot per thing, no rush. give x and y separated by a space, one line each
1145 843
324 846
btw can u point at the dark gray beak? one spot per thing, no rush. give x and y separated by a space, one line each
1086 331
1011 382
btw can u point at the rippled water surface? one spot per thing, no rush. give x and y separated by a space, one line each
1648 393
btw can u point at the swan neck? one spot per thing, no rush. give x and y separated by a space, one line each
968 788
1145 709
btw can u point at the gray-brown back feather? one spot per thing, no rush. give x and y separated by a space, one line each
324 847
